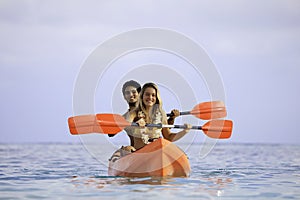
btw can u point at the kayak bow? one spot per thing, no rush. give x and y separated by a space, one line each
160 158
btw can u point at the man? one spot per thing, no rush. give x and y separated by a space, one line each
130 90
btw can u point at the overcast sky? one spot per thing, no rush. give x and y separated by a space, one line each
255 46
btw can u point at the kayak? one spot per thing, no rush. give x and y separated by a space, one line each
160 158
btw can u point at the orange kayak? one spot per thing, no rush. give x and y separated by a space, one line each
158 159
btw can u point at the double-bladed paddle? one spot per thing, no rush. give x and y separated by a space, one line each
114 123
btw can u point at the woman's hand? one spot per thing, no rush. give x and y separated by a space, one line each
187 127
175 113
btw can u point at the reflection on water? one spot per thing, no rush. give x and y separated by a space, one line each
171 187
104 180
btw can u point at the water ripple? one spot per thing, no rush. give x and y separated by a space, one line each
67 171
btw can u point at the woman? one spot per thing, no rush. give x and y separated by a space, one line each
150 111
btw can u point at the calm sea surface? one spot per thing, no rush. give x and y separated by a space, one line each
229 171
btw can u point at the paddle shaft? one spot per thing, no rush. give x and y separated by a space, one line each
189 112
168 126
181 113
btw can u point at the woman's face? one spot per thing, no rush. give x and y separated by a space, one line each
149 97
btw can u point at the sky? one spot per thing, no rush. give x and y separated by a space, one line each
254 46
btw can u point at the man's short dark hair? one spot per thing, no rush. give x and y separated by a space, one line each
133 84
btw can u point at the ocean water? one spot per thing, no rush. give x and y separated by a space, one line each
229 171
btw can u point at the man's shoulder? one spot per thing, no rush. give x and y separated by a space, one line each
126 114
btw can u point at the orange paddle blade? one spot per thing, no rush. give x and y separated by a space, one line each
209 110
100 123
111 123
220 129
83 124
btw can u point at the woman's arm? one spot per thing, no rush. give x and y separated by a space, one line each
166 132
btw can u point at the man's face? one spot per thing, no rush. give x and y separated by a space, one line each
131 95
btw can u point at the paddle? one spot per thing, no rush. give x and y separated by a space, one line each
207 110
114 123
